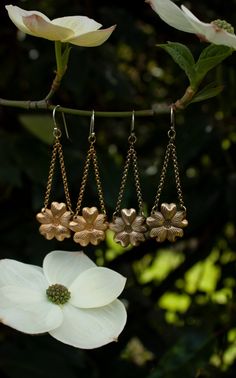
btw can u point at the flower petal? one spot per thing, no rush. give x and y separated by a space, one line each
100 222
136 238
179 220
96 287
44 217
47 230
91 328
171 14
96 236
139 225
155 220
117 225
160 233
16 15
210 32
79 24
91 39
44 28
122 238
58 209
28 310
64 267
82 237
128 216
77 224
168 210
173 233
90 214
22 275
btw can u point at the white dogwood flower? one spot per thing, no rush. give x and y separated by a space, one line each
218 32
78 30
69 297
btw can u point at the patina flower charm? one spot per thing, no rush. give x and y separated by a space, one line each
167 223
55 222
90 227
129 228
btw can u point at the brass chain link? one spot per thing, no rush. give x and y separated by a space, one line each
170 153
57 148
91 155
131 155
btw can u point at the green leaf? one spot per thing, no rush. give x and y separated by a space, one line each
183 57
211 57
210 90
39 125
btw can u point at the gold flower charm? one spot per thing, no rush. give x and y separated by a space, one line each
167 223
90 227
55 222
129 228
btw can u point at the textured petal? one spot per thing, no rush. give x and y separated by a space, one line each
173 233
91 328
82 238
128 216
28 311
155 220
58 209
79 24
179 220
117 225
77 224
16 15
63 267
136 238
96 236
62 232
122 238
96 287
90 214
47 230
139 225
44 217
171 14
91 39
168 210
23 275
100 222
160 233
209 30
44 28
65 219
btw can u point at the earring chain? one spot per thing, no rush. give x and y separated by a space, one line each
170 153
131 155
57 148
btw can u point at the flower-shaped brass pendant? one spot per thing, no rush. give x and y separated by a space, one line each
167 223
129 228
55 222
90 227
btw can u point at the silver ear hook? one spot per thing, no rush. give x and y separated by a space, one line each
132 138
132 123
57 131
172 116
92 137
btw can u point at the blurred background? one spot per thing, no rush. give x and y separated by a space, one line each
180 297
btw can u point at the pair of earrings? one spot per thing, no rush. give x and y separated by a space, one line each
164 223
58 221
129 225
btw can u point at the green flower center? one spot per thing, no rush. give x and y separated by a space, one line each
222 24
58 294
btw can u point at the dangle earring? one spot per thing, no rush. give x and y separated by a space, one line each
168 223
128 226
90 227
55 220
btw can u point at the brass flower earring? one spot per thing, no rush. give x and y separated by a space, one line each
128 226
168 223
90 227
55 220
